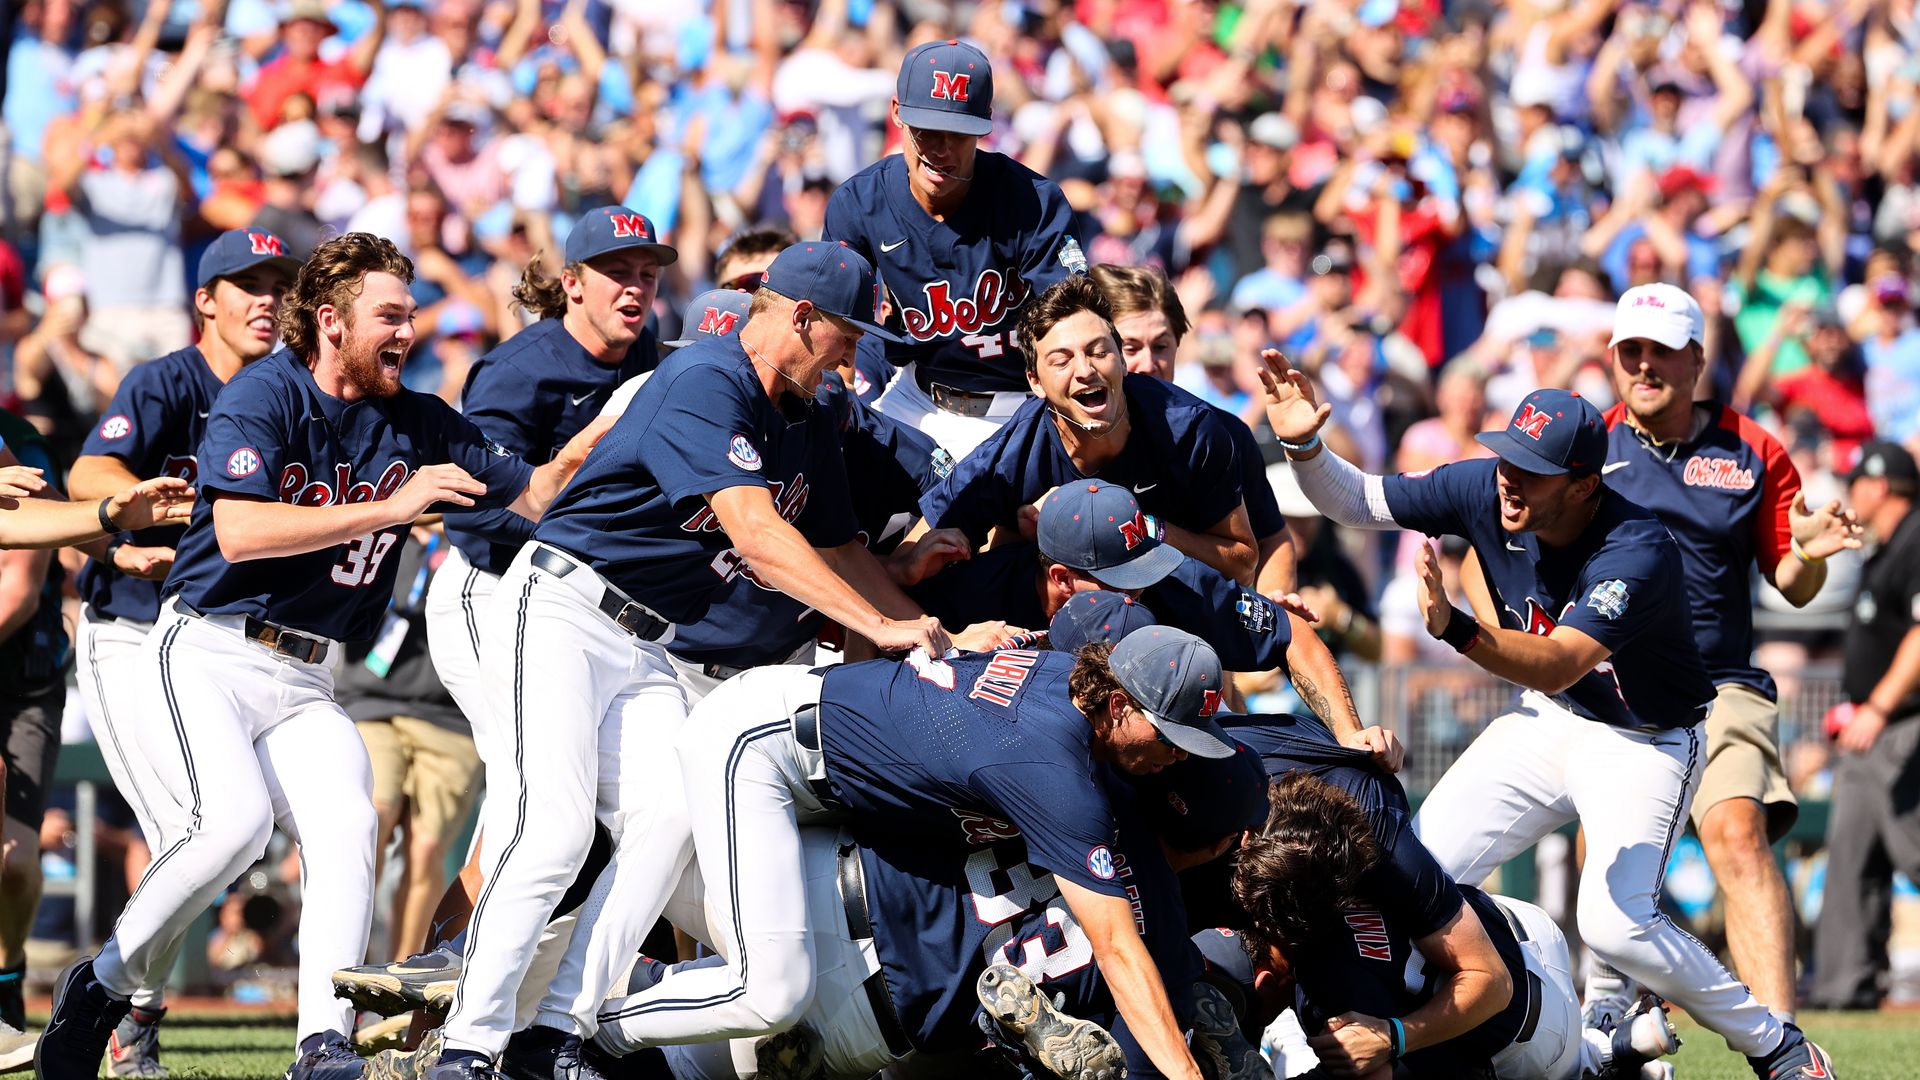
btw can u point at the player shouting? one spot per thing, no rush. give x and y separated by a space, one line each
152 428
1596 629
721 466
961 237
317 461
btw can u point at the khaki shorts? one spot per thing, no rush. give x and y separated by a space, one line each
1743 759
435 770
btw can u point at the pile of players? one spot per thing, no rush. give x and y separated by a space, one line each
1010 839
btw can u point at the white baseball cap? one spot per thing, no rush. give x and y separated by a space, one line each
1658 312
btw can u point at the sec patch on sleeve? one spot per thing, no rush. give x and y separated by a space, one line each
742 453
243 462
1100 863
116 427
1609 598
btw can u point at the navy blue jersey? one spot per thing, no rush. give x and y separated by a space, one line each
925 750
1621 583
1263 507
1001 583
1725 497
701 424
153 425
531 394
274 435
943 912
958 285
889 466
872 373
1179 461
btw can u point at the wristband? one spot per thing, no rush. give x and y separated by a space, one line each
106 521
1462 632
113 547
1801 554
1156 528
1398 1033
1301 448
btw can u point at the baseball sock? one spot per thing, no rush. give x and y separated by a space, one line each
13 1001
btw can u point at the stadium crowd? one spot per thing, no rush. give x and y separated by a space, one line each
1431 208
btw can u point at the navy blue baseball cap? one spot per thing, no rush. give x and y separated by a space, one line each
1096 616
714 313
1553 432
946 86
1176 680
834 278
238 250
608 229
1097 528
1200 801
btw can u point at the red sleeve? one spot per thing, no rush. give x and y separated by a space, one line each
1613 416
1772 535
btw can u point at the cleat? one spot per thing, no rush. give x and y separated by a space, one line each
794 1054
1604 1012
1656 1070
396 1064
1643 1035
425 981
1068 1047
544 1053
1218 1045
387 1034
326 1056
16 1048
134 1049
463 1067
1796 1058
84 1016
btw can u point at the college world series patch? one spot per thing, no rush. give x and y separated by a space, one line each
1609 598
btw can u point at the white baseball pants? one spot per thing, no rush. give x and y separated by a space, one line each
458 598
245 738
1539 767
107 668
958 434
581 715
746 783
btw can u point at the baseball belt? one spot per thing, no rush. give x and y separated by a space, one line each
806 732
964 402
627 613
852 880
1532 1019
278 639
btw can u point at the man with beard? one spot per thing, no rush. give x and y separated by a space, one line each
317 461
152 428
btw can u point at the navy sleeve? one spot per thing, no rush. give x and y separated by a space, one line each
1064 815
500 402
1214 468
1051 251
1409 879
827 520
1249 631
1263 509
490 463
844 220
1625 587
1440 501
245 445
983 490
703 438
135 421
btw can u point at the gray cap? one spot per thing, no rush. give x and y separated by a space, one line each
1176 679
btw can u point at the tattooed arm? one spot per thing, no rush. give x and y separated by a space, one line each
1320 684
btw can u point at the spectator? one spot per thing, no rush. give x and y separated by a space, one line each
302 68
290 156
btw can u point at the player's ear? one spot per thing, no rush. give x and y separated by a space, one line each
203 300
802 314
327 318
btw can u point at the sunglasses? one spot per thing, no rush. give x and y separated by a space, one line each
744 282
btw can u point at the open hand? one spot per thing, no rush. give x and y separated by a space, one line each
1435 608
1291 407
19 482
162 500
1824 532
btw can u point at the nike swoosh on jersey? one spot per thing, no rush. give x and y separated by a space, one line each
884 248
204 415
581 400
1615 467
1511 546
1144 488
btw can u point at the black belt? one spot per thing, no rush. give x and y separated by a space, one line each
852 879
722 672
627 614
806 732
973 403
1532 1018
288 643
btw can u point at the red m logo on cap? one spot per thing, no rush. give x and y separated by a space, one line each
718 323
266 244
1134 531
630 225
948 86
1532 421
1209 702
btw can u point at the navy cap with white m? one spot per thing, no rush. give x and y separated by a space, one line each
946 86
1176 680
1554 432
714 313
834 278
608 229
238 250
1097 528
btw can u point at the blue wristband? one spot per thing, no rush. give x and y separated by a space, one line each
1399 1037
1300 448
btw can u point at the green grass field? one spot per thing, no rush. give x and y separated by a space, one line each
1883 1046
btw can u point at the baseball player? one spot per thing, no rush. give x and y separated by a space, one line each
152 427
531 394
1731 497
962 238
317 460
900 749
720 466
1087 418
1596 631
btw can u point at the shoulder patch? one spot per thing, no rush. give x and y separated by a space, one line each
1609 598
117 426
1072 257
743 454
1256 614
1100 863
942 463
243 462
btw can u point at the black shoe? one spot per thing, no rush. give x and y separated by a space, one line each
1796 1058
460 1066
13 996
544 1053
84 1016
134 1049
327 1056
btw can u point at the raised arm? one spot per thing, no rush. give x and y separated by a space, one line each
1549 664
1337 489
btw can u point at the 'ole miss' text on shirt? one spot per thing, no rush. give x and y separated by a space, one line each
275 435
